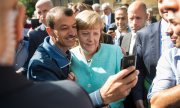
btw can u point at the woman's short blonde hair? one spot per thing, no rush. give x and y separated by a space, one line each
88 19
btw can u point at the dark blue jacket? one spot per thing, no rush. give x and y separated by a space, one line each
48 63
36 37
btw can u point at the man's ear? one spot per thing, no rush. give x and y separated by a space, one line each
49 31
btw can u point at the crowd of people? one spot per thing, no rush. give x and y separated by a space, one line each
73 58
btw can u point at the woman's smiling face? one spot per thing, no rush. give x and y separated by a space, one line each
89 39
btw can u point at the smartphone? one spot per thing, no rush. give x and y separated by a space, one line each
112 29
128 60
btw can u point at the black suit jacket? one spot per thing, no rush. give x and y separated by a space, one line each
112 18
18 92
36 37
147 48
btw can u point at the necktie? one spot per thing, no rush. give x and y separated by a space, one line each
120 39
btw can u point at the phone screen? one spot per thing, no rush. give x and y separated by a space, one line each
129 60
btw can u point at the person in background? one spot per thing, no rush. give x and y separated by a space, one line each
137 18
108 16
121 22
97 8
21 55
106 38
165 88
22 45
74 9
111 30
70 5
79 7
36 36
18 92
151 18
27 26
93 62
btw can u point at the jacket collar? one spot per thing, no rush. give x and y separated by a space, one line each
54 52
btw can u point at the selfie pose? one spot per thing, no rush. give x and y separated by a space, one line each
94 62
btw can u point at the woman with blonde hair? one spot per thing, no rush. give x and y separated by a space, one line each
93 62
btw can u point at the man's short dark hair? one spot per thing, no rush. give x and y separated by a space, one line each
123 8
54 11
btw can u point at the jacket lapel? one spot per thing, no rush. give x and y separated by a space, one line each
155 45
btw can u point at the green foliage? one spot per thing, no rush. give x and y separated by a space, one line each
30 6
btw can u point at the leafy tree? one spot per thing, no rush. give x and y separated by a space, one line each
30 6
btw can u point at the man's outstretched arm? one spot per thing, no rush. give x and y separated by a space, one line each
116 87
169 98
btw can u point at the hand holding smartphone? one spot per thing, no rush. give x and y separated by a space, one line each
127 61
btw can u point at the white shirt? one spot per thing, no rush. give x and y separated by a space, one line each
166 42
108 19
168 72
133 40
116 40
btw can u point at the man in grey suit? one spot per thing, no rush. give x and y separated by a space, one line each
151 42
107 16
137 17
